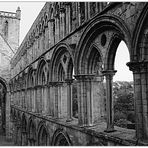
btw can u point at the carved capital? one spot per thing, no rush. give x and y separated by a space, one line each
138 67
69 81
109 73
53 83
84 77
51 20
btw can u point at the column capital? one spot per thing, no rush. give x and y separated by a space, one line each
109 72
62 10
69 81
137 67
24 132
55 83
84 77
51 20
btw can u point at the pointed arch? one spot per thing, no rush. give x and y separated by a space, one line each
30 79
61 138
32 134
42 69
43 134
24 123
95 27
141 22
62 52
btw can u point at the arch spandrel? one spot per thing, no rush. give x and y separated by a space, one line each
97 26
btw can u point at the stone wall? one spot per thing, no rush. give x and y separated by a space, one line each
77 42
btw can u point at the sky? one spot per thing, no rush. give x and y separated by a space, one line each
29 12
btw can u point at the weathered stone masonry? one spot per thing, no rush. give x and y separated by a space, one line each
77 41
9 42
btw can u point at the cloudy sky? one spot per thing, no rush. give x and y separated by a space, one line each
30 10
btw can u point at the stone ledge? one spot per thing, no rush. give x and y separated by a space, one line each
121 136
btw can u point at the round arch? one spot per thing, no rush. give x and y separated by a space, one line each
61 138
98 26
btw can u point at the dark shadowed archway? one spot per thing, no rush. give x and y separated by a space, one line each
3 90
61 138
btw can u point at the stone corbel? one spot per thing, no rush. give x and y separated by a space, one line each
109 73
138 67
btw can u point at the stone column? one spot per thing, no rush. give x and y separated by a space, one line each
39 99
43 101
46 100
31 141
33 100
62 99
36 106
68 18
62 23
27 98
31 96
56 110
69 99
24 138
109 100
52 98
59 99
57 28
49 102
51 32
23 98
89 96
15 130
18 140
140 74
